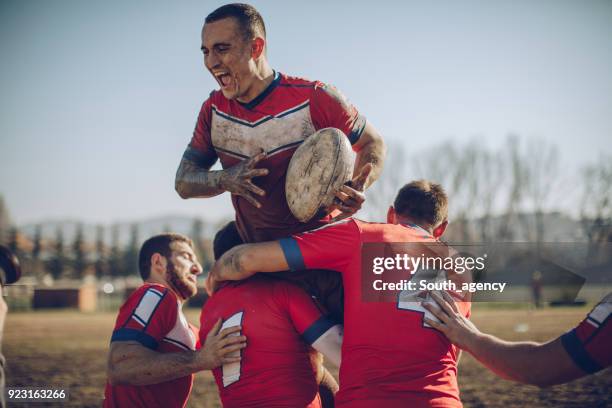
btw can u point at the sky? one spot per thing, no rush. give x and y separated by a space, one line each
99 99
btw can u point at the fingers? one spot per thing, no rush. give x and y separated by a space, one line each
349 200
436 312
215 329
440 301
256 159
434 324
351 193
450 301
226 332
253 188
257 173
358 182
247 196
231 349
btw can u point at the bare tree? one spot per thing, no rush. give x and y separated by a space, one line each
541 181
596 201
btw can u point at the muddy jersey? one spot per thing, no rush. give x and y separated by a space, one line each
277 122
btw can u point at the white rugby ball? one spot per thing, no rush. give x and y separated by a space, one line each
318 168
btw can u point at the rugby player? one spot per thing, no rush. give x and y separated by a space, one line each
581 351
280 320
254 123
154 350
390 356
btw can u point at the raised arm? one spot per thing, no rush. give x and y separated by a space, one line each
526 362
131 363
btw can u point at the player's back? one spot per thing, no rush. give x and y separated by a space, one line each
275 370
389 357
387 351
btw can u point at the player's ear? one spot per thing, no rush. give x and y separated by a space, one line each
439 230
158 262
391 215
257 47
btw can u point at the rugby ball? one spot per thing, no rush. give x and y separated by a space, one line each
317 170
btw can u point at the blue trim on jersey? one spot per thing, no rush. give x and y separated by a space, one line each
578 354
355 134
262 120
317 329
298 85
259 98
285 146
293 255
126 334
289 112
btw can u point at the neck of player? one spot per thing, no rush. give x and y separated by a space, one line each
263 77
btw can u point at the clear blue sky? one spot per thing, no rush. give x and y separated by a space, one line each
99 99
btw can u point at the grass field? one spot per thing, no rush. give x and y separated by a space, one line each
68 349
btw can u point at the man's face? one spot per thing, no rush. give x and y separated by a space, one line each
183 269
228 57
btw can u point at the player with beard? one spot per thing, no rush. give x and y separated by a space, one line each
154 350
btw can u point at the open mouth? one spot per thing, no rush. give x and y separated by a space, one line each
224 79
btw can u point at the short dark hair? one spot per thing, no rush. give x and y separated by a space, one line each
10 270
158 244
250 21
225 239
423 201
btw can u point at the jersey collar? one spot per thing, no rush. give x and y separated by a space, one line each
418 227
250 105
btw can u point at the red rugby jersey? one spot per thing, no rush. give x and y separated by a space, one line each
277 121
152 316
588 344
389 358
278 320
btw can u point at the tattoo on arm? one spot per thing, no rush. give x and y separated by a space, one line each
374 152
195 181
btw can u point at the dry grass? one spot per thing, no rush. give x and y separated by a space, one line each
68 349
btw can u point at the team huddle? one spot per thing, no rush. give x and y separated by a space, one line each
285 293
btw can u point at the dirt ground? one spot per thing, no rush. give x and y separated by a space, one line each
68 349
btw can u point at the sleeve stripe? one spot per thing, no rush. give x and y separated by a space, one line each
143 338
357 130
317 329
293 255
147 306
199 158
579 355
139 320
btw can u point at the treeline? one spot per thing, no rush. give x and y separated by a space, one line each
505 193
77 259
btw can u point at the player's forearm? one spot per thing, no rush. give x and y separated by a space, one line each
193 181
153 368
525 362
373 152
245 260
